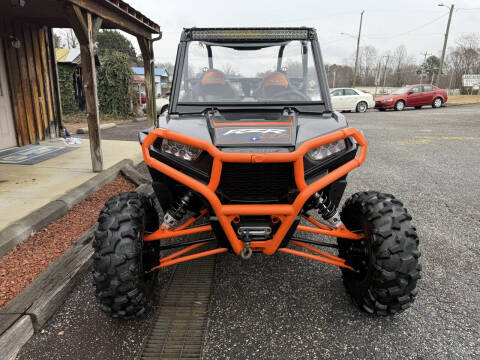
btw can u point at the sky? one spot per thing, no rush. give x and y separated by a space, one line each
418 24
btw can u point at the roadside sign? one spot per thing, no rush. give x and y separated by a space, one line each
470 80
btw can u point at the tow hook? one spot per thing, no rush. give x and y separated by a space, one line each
246 252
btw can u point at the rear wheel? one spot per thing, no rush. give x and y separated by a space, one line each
121 258
399 105
385 263
362 107
437 103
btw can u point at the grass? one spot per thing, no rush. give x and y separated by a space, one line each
463 99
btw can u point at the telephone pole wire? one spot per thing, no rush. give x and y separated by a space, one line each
358 48
445 41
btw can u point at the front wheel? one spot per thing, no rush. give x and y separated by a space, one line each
437 103
121 259
362 107
399 105
385 263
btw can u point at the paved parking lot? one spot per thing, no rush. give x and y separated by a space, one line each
284 307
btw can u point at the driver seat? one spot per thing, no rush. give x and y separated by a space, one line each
213 86
275 84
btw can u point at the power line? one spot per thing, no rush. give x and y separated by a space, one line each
409 31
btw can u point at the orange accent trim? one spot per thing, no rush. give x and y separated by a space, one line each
224 212
173 258
192 220
164 233
314 257
318 251
275 79
316 223
251 123
213 78
191 257
181 252
341 233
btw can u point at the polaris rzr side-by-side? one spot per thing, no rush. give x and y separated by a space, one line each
251 146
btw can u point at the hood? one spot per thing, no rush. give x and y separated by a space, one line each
380 98
253 129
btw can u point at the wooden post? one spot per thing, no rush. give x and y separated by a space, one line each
85 25
145 48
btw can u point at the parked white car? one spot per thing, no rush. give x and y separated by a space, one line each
162 105
348 99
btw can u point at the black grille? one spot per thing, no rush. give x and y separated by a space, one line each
258 183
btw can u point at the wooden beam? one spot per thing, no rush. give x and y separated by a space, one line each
32 76
147 64
87 25
27 94
40 75
16 92
52 100
124 21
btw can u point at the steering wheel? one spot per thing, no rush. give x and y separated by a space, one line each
289 95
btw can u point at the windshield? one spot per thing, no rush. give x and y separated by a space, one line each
402 90
249 73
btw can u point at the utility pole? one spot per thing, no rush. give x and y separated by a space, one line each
358 48
446 39
377 76
334 75
422 68
385 73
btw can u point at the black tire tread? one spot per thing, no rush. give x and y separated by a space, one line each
391 285
120 285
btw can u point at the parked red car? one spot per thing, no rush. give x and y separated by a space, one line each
412 96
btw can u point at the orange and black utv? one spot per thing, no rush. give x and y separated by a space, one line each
251 145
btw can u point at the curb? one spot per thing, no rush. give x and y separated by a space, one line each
23 228
33 307
102 127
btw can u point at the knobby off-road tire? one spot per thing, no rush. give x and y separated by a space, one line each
387 260
121 258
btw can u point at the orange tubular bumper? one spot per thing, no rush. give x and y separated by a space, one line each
226 213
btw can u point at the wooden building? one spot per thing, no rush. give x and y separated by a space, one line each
30 108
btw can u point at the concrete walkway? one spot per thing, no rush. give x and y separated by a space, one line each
25 188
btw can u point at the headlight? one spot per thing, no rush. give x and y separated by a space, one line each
325 151
388 100
183 151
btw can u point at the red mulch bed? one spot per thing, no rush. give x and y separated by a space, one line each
20 266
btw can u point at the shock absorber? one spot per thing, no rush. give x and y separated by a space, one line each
326 208
177 211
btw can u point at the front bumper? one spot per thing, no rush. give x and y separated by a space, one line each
384 105
286 214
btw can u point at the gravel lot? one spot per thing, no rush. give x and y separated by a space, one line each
290 308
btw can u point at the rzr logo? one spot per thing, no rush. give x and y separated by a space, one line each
255 131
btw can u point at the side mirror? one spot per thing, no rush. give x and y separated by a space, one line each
410 92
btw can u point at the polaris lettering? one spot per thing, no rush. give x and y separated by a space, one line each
255 131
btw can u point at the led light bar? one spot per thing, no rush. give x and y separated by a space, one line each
249 34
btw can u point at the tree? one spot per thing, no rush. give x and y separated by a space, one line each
71 40
168 66
57 41
114 78
111 40
430 66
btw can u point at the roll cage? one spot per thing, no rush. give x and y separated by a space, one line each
241 37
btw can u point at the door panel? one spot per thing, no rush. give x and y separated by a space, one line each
428 94
338 101
7 129
415 98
